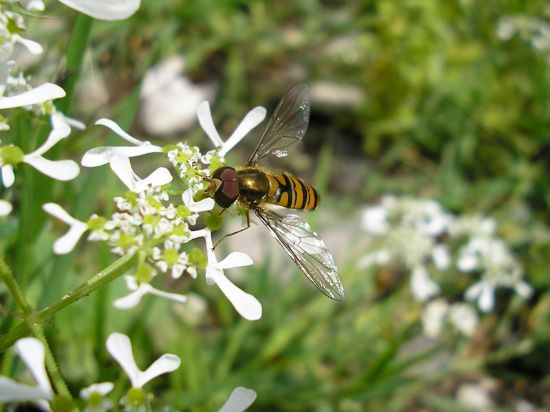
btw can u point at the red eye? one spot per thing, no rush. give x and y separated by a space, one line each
228 192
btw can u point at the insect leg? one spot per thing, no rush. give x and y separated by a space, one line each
234 233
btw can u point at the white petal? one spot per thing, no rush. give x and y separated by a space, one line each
58 120
99 156
166 363
11 391
31 352
131 300
102 388
160 77
8 177
105 9
523 289
120 348
187 198
433 317
239 400
235 260
5 208
118 130
171 296
123 169
441 257
246 304
374 220
131 282
464 318
422 286
40 94
473 291
57 211
59 132
66 243
177 270
207 124
34 5
486 300
77 124
159 177
203 205
32 46
56 169
467 263
252 119
163 109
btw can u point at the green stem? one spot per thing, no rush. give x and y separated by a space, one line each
57 379
73 57
14 288
107 275
21 301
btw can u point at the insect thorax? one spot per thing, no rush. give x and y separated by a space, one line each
253 185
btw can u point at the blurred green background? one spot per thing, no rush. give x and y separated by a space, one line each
416 97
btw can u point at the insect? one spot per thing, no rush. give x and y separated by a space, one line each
259 190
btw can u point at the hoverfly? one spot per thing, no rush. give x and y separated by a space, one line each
258 189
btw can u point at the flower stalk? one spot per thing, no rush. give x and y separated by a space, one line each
107 275
23 304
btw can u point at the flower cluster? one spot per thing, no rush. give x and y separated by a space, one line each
158 217
427 240
95 397
16 90
533 30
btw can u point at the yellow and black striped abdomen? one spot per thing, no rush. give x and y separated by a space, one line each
289 191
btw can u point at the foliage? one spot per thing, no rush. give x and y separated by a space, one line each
448 109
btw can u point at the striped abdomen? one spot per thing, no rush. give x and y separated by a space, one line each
289 191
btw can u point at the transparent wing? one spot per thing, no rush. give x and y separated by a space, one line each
306 249
287 125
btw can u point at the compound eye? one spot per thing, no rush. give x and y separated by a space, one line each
227 194
225 174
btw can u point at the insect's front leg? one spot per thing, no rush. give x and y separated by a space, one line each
247 216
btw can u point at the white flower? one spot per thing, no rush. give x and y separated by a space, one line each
139 291
120 348
252 119
246 304
434 220
482 252
463 318
497 267
40 94
5 208
118 158
375 220
105 9
474 226
33 5
164 111
196 207
423 288
68 241
484 293
170 257
441 257
94 395
31 352
433 317
505 29
378 257
239 400
57 169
